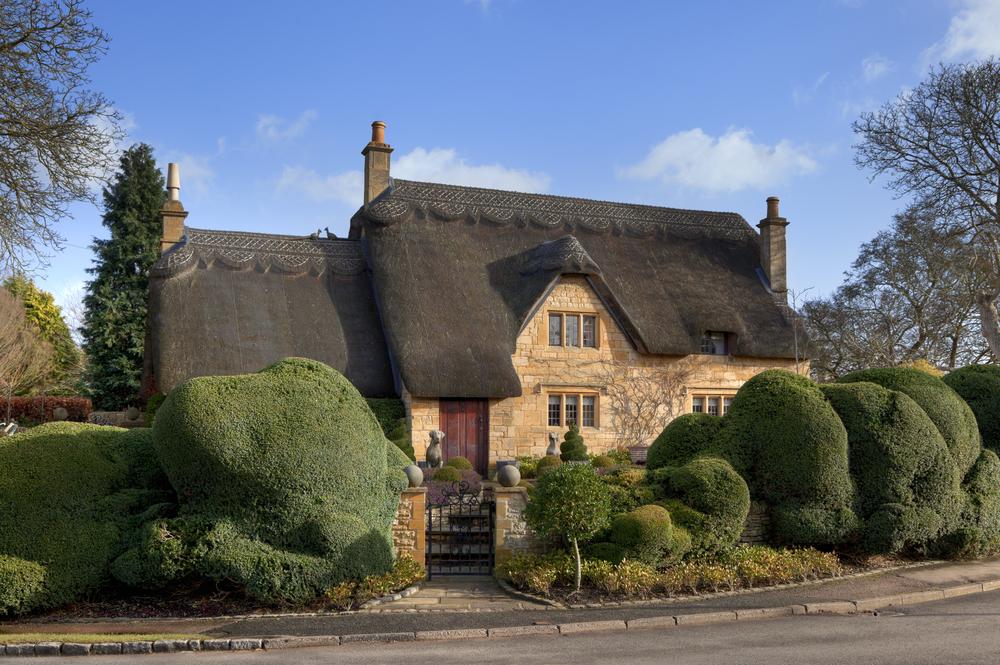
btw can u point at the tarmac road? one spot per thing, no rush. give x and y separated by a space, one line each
958 631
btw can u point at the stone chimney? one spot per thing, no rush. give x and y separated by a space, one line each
772 246
172 214
376 162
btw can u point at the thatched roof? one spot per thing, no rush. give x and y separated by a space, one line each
224 302
459 270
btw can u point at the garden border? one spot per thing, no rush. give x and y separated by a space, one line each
665 621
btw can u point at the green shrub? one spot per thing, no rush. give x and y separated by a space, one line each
785 439
907 488
572 449
684 438
979 386
952 416
547 463
292 473
982 508
570 502
459 462
716 501
609 552
153 405
161 552
627 577
21 583
391 415
602 462
528 466
534 573
69 494
627 489
646 534
447 474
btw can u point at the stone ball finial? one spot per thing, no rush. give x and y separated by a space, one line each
414 475
508 475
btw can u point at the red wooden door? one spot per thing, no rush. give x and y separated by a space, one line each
465 423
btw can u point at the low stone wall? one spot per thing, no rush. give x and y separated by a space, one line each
512 535
756 526
409 530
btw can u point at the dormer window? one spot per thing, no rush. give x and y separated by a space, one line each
714 343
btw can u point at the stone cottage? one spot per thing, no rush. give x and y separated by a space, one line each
497 317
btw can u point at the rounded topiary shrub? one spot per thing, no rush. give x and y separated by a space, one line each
572 449
784 438
646 534
982 508
716 501
292 473
459 462
979 386
68 494
949 413
900 464
685 437
547 463
602 462
447 474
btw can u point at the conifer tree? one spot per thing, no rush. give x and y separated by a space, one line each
114 325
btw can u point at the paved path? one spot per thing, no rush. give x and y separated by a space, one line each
957 631
456 594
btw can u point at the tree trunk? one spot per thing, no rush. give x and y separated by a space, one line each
989 319
576 550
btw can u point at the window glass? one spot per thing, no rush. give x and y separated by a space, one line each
589 409
572 330
713 406
726 403
555 329
698 404
572 410
590 331
555 412
714 343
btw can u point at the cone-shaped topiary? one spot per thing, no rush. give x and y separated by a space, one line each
572 449
290 471
785 439
682 439
907 486
952 416
979 386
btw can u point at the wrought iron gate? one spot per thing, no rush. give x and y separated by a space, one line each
460 525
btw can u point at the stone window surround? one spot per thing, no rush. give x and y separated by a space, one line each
704 394
563 328
562 393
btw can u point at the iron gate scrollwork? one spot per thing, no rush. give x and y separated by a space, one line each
460 524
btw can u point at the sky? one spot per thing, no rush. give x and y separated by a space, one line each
704 105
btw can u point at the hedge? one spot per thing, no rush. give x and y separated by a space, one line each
979 386
982 508
907 486
709 499
952 416
682 439
40 408
292 473
391 415
69 493
785 439
647 534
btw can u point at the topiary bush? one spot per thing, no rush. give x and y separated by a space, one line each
446 474
907 488
602 462
787 442
391 415
572 449
627 489
459 462
647 534
982 505
709 499
952 416
609 552
547 463
979 386
682 439
291 473
69 494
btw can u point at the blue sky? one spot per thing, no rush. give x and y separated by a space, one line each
712 105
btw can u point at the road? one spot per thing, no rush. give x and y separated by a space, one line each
958 631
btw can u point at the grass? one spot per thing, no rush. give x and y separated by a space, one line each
90 638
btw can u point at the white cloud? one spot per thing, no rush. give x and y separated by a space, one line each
275 128
973 33
802 95
434 165
727 163
875 66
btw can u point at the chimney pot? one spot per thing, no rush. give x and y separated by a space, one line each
378 132
173 182
772 207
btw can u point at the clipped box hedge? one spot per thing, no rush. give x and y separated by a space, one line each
979 386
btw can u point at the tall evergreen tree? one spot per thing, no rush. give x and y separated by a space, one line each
114 326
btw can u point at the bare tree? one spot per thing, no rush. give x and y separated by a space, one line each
56 135
643 400
940 143
25 359
797 297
